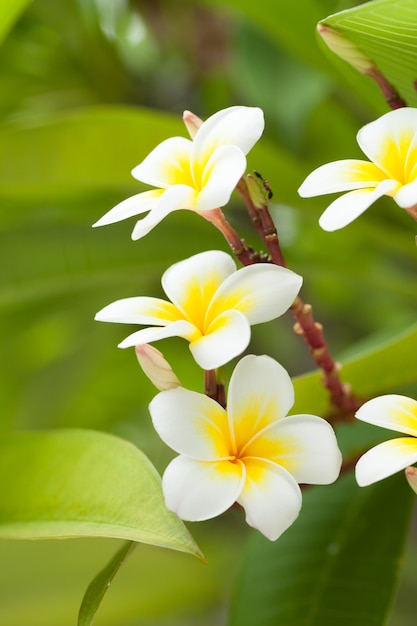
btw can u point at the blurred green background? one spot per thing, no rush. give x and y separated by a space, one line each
87 89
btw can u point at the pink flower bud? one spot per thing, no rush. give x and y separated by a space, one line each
411 476
156 368
192 123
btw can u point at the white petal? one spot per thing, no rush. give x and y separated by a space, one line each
342 175
173 199
239 126
181 328
197 490
134 205
391 411
191 424
305 445
168 164
260 392
220 176
348 207
406 196
271 498
139 310
261 291
390 142
191 284
225 338
386 459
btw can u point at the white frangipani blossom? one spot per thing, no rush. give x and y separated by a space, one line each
212 305
197 174
390 143
394 412
251 453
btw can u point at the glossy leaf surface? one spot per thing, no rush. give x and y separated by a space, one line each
76 483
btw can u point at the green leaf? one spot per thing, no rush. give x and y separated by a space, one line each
293 29
386 33
10 10
100 584
74 154
338 564
79 483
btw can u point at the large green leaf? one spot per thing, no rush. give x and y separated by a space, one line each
10 10
338 564
79 483
386 32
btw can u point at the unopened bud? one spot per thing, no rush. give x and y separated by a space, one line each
156 368
345 49
192 122
411 476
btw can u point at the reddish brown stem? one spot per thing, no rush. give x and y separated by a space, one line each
238 246
312 332
212 388
263 223
392 97
341 395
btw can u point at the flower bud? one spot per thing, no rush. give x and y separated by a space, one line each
156 368
411 476
345 49
192 123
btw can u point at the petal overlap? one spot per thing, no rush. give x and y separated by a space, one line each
212 305
196 174
241 454
390 143
393 412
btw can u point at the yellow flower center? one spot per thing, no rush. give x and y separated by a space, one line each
400 157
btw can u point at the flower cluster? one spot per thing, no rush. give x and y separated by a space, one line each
249 452
244 448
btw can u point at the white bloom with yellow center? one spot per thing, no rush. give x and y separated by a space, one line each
251 454
212 305
197 174
393 412
390 143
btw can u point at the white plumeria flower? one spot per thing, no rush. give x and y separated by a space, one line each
394 412
198 174
212 305
390 143
251 454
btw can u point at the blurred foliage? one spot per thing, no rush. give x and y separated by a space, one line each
87 88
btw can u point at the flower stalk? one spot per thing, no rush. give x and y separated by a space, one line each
257 194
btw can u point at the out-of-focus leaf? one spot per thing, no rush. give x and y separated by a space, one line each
95 149
100 584
10 10
293 27
338 564
79 483
386 32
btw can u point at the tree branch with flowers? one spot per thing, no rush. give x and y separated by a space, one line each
308 461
